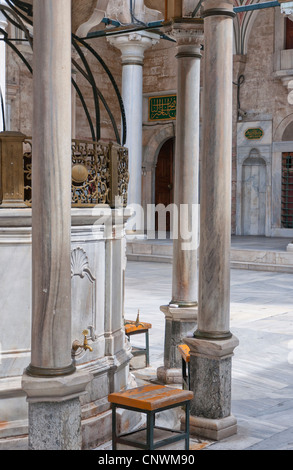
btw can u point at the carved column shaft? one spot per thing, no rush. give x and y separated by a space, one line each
53 389
189 36
133 47
51 190
3 25
215 200
212 347
181 313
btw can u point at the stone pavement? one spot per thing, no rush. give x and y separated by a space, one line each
262 366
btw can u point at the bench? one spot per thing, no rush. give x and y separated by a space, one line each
184 351
150 399
136 328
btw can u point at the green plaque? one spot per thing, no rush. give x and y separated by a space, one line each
162 108
254 133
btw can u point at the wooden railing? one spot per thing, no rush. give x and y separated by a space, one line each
99 172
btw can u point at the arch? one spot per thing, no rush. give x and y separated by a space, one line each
155 143
253 194
281 128
150 157
243 24
164 181
288 133
254 158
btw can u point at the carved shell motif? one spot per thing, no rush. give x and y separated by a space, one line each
80 264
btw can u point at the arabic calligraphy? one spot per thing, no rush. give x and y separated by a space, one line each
162 108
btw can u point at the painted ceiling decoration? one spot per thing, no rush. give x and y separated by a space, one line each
242 25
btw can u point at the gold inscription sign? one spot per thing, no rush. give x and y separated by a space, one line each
254 133
162 108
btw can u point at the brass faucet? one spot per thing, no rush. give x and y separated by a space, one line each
76 345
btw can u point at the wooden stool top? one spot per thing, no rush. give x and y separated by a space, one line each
132 326
185 352
150 397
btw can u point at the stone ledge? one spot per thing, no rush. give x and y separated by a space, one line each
169 376
213 429
212 349
179 313
55 389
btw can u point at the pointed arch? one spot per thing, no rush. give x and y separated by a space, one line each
243 24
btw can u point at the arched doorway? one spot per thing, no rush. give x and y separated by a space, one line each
164 179
254 195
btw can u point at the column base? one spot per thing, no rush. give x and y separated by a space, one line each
135 235
169 376
55 410
210 380
179 323
187 313
55 426
212 429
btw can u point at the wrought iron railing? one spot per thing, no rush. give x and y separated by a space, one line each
20 14
99 172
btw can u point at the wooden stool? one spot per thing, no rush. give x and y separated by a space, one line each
184 351
150 399
136 328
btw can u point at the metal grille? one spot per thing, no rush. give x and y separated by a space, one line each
99 173
287 190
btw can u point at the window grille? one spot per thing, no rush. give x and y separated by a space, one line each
287 190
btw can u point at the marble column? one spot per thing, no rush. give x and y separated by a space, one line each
51 382
212 347
133 47
3 25
181 313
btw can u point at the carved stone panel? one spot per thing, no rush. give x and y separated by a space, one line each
83 287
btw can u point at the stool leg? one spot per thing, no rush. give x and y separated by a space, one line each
150 430
183 374
187 411
113 427
147 347
188 378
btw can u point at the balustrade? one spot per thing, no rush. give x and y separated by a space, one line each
99 172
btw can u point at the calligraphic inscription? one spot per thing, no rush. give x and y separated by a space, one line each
162 108
254 133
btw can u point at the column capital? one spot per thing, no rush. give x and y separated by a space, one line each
188 32
287 8
3 20
218 8
133 46
212 348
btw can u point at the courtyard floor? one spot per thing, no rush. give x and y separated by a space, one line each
262 366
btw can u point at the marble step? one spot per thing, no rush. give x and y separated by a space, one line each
253 259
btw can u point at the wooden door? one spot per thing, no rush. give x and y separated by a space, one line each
289 34
164 179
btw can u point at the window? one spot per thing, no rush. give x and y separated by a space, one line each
287 190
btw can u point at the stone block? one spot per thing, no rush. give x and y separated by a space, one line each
62 422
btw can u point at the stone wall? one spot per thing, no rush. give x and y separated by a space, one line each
263 96
20 83
19 88
264 102
111 56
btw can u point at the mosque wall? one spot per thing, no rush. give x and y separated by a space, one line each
263 100
259 127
